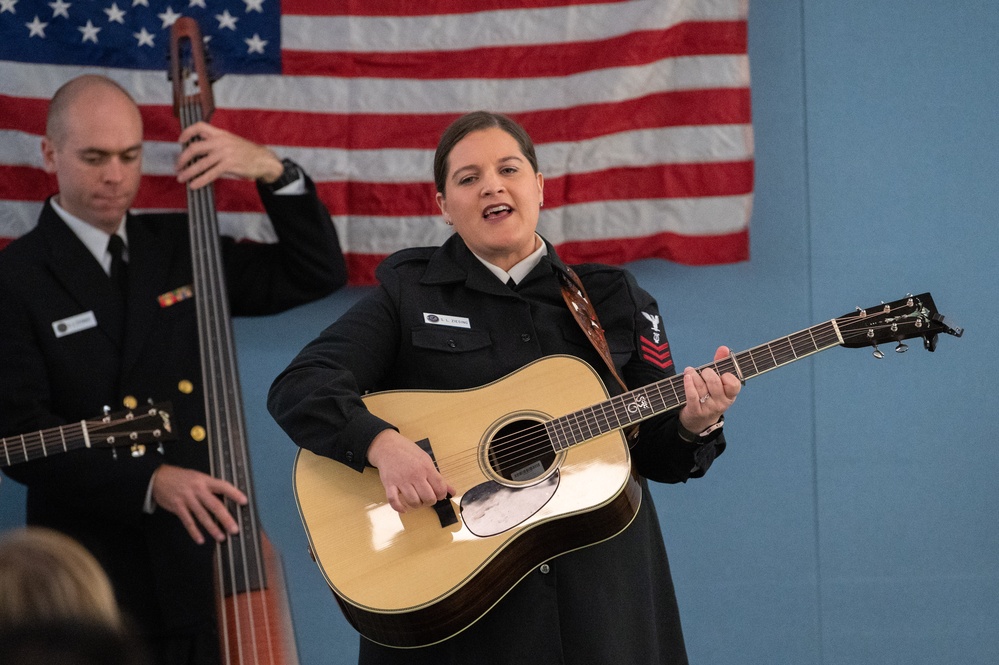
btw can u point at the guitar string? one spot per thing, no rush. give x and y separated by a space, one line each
226 424
532 442
27 445
581 424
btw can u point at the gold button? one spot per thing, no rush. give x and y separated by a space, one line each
198 433
185 387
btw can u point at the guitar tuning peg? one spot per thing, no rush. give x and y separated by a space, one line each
902 347
106 410
877 352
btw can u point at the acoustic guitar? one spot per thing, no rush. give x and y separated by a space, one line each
540 466
134 429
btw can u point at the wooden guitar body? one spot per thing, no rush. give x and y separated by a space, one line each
409 580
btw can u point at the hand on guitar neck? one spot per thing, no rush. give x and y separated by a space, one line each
211 153
408 474
708 394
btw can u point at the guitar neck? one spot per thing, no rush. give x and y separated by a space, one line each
241 554
666 395
35 445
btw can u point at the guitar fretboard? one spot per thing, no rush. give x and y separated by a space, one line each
662 396
26 447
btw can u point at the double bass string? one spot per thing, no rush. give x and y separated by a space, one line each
226 426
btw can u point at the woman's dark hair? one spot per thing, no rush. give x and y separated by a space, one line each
473 122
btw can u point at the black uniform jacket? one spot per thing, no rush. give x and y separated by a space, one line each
162 578
609 603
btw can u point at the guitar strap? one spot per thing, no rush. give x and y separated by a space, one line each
579 304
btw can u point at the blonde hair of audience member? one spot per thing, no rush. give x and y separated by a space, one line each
46 575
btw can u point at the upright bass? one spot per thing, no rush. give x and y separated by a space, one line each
254 621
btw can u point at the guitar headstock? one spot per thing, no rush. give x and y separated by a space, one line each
912 316
151 424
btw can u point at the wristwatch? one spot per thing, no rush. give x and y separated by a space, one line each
290 174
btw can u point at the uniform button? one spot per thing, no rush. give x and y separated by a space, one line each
349 455
544 569
526 337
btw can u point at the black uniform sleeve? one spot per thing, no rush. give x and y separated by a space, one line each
317 399
305 264
659 453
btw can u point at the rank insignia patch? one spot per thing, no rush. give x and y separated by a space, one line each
657 354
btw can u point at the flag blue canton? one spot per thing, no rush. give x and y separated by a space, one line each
243 36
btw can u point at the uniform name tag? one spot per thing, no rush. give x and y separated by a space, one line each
446 320
74 324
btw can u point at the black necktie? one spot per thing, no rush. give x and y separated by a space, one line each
119 269
512 284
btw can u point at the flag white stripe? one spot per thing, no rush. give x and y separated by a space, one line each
510 27
316 94
673 145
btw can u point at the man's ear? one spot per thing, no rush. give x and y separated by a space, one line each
48 155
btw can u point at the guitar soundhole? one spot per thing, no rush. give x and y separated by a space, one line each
520 452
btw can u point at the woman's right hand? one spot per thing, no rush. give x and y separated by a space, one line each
410 478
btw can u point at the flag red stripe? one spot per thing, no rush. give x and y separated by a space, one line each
369 131
659 181
686 250
422 8
23 114
529 60
720 106
25 183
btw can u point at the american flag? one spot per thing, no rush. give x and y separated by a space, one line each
640 110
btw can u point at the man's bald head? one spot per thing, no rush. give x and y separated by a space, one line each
73 91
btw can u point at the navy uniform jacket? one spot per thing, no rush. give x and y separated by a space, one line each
609 603
163 579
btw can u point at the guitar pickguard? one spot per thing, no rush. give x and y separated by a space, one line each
491 508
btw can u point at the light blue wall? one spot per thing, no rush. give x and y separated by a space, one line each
853 518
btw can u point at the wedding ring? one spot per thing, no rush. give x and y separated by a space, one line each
704 399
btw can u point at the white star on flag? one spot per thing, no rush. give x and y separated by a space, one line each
226 20
144 38
89 31
60 8
255 44
37 28
169 17
115 15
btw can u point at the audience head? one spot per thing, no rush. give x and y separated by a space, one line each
46 575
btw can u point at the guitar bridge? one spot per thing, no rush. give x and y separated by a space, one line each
444 508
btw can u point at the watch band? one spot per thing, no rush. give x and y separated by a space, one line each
290 174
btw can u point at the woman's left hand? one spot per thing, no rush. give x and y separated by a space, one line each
708 394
